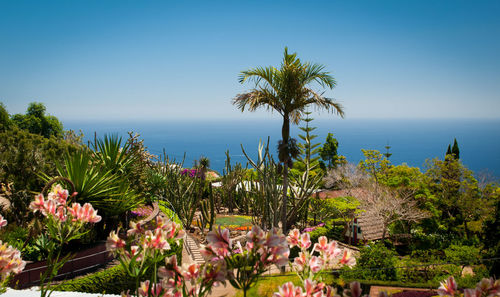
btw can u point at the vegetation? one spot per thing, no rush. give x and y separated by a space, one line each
285 90
37 122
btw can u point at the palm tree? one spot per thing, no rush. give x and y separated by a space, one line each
285 90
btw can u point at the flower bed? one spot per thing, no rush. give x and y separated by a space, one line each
234 222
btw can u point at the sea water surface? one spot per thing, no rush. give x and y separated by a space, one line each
411 141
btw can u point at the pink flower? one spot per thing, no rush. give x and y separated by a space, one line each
256 235
114 242
88 214
10 260
288 290
135 228
156 240
347 258
59 194
293 237
331 252
3 222
300 261
473 292
219 239
304 241
49 207
148 289
38 204
61 214
191 271
315 263
322 244
448 288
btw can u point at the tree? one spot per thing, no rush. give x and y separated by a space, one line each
390 205
328 152
374 164
308 151
464 206
455 150
4 117
37 122
286 90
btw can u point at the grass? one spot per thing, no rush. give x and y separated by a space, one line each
268 284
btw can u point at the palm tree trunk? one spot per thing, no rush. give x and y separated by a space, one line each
285 134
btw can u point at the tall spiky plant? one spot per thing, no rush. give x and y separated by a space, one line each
287 91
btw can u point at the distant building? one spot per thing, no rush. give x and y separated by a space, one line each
363 227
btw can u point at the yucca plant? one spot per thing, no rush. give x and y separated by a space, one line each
113 157
109 192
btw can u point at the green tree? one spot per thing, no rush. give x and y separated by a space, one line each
286 90
374 164
328 152
463 204
308 151
37 122
455 150
5 121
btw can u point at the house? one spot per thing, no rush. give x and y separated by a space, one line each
362 228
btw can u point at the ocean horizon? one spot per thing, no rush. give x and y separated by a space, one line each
411 141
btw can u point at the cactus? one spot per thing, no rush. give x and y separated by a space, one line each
207 208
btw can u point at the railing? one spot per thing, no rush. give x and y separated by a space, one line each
82 262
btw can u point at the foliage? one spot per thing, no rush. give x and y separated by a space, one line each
265 192
112 280
109 192
306 179
112 156
182 192
375 262
492 233
37 122
24 155
5 121
328 152
230 193
462 254
285 90
207 212
374 164
308 151
338 210
462 204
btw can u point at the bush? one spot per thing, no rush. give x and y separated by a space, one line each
112 280
376 262
462 254
24 156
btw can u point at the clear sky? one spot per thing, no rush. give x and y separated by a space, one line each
99 60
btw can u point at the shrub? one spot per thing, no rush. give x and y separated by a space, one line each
24 155
462 254
111 280
376 262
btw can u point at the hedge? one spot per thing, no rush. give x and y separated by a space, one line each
112 280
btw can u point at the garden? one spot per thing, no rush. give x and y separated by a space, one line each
268 227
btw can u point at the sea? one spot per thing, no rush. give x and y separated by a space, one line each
410 141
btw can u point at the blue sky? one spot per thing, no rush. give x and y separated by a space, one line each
107 60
